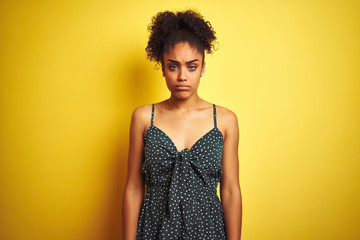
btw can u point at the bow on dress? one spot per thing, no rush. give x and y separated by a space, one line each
180 174
182 188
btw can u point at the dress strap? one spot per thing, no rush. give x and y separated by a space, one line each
152 114
214 115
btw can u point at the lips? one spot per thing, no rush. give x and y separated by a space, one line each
182 87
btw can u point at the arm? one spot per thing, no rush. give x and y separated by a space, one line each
134 188
230 193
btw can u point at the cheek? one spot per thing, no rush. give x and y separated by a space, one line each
170 80
170 76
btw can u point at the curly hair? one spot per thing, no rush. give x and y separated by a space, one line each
168 28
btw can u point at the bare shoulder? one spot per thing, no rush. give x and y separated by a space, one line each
141 116
141 110
225 114
227 121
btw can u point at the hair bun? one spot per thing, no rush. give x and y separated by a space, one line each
165 25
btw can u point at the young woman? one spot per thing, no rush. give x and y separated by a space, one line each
182 147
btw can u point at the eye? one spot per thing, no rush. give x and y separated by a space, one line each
173 67
192 68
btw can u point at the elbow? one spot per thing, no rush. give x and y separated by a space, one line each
231 192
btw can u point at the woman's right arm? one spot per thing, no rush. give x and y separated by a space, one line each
135 186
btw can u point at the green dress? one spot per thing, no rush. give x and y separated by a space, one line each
181 201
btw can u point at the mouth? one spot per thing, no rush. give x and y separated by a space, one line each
182 87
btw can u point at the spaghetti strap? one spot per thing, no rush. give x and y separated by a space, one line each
152 114
215 125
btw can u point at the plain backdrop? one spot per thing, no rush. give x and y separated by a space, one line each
71 73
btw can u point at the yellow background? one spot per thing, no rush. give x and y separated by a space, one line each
72 72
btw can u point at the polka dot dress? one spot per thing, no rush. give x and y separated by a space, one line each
181 200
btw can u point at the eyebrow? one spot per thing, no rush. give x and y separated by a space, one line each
186 62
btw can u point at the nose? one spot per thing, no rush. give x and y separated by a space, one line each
182 74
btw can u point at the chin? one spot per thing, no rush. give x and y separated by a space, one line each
181 94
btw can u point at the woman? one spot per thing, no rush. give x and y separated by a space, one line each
182 147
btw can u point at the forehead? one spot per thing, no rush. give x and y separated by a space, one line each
182 52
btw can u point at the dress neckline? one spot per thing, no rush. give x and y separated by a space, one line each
185 149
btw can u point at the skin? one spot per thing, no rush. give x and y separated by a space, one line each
184 117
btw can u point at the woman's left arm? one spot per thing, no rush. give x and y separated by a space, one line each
230 192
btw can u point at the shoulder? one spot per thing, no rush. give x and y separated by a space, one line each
141 111
141 116
227 120
227 116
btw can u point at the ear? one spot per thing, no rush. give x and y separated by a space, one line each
203 68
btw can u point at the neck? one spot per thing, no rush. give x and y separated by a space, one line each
186 103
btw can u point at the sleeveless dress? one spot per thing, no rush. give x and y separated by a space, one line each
181 200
